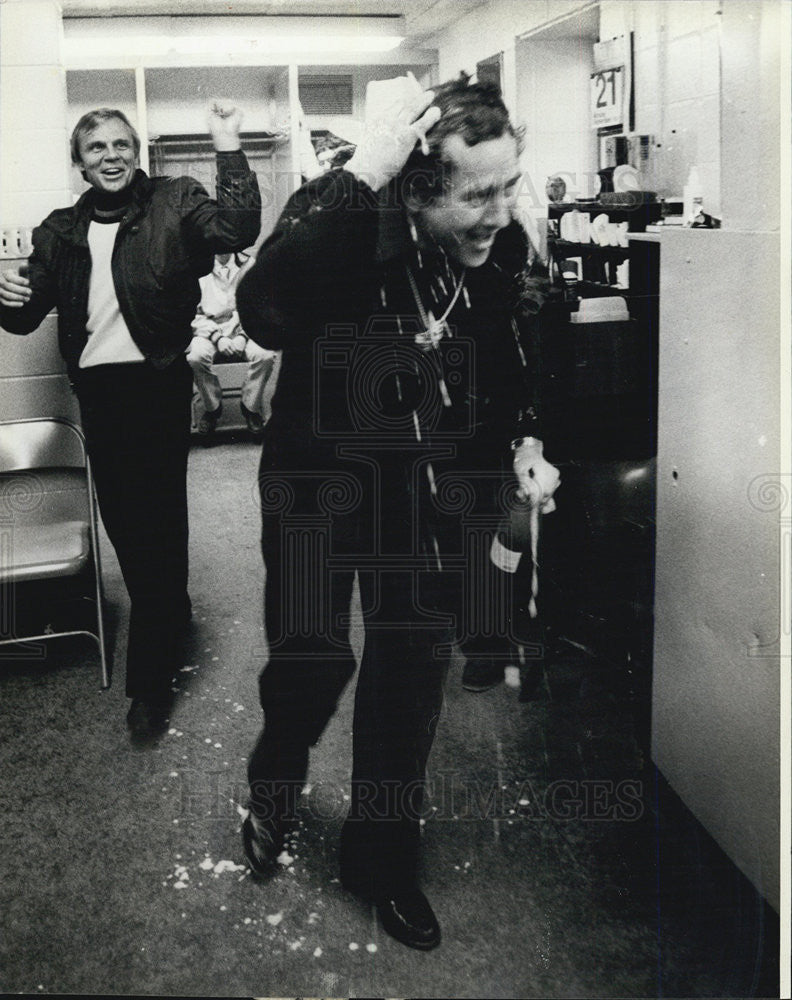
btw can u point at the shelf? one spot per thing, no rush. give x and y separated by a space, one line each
639 214
597 289
622 201
647 237
188 142
564 248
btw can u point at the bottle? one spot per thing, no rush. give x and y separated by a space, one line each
518 532
497 585
692 197
513 536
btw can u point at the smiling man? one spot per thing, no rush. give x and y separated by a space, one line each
476 203
122 268
390 286
107 155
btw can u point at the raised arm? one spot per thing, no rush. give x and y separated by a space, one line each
232 221
326 236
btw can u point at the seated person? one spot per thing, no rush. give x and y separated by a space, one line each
216 330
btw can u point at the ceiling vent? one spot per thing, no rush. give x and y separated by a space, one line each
326 95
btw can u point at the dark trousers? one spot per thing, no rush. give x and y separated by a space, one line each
136 421
310 575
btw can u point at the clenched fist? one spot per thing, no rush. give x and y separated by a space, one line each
225 120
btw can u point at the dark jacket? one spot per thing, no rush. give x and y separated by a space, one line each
166 241
400 443
330 288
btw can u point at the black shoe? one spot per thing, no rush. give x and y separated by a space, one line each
482 673
148 719
262 840
208 422
407 916
254 420
404 913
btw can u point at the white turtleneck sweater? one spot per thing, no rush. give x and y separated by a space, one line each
109 339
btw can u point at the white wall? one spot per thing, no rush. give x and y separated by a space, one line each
89 89
715 712
677 86
676 70
177 98
752 34
493 28
552 103
34 174
722 505
34 180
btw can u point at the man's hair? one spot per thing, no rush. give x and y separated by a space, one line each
473 111
91 120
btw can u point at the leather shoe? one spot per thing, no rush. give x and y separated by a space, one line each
262 840
148 719
407 916
254 420
404 913
208 422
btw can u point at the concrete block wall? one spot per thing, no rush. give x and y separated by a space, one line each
34 168
33 381
35 178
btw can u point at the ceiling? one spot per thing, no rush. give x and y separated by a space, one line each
583 23
171 8
420 17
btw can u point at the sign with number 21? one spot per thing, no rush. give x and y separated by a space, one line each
607 97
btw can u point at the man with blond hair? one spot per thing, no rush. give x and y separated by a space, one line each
122 267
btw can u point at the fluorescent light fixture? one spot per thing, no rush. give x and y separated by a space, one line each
75 49
103 39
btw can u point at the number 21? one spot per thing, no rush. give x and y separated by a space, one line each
603 79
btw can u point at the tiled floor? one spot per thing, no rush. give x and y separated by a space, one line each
558 862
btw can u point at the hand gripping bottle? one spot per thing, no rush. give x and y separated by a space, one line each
518 531
514 534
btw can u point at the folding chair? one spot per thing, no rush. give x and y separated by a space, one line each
48 520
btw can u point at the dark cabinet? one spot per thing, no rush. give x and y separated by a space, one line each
600 427
575 229
600 378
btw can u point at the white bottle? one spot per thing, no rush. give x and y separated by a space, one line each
692 197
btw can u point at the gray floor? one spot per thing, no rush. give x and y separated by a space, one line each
557 861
